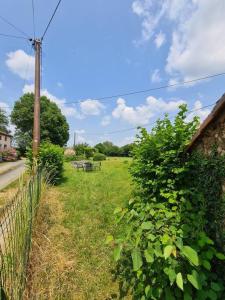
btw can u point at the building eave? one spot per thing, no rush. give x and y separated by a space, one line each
218 108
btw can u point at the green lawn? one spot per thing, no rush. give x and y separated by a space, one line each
71 259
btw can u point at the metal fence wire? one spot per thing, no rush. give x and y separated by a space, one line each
16 222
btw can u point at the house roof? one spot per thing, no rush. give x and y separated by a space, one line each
6 134
218 108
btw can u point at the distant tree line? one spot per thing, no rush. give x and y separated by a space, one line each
107 148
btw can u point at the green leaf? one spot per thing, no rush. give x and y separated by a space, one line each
117 252
191 254
194 279
151 237
137 259
146 225
212 295
167 251
206 264
149 255
216 287
168 294
179 281
172 275
221 256
147 290
187 296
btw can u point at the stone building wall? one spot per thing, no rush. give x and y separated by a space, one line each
212 131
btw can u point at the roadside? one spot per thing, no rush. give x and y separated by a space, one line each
69 258
10 172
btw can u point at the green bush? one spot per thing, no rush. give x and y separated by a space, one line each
69 158
79 157
99 157
50 158
166 252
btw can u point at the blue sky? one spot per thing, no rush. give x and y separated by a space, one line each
100 48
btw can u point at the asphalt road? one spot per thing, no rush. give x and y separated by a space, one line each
15 169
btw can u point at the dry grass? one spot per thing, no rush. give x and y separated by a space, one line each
10 191
70 259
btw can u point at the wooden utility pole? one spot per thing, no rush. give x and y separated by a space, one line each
36 130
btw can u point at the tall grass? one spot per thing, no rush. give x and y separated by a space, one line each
70 259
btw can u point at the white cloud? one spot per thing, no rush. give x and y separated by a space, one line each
160 39
156 76
91 107
198 111
198 40
106 120
5 107
140 115
150 15
80 136
67 110
198 43
125 141
21 64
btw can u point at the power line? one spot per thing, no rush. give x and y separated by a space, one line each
14 26
152 89
33 18
51 19
13 36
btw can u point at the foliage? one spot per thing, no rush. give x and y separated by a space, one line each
209 173
109 149
69 155
50 158
99 157
4 122
69 158
54 127
166 252
126 150
84 149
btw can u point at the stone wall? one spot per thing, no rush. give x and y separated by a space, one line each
212 131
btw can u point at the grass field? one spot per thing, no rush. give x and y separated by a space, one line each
70 259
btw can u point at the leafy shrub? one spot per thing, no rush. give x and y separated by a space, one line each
99 157
166 252
50 158
69 158
79 157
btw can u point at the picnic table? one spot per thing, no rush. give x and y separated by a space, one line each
87 165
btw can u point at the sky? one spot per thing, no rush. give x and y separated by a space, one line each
99 48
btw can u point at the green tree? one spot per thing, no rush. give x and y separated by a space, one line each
4 121
108 148
126 150
84 149
54 127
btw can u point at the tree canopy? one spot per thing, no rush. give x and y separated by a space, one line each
109 149
4 121
54 127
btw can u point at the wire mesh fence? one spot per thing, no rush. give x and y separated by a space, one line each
16 222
